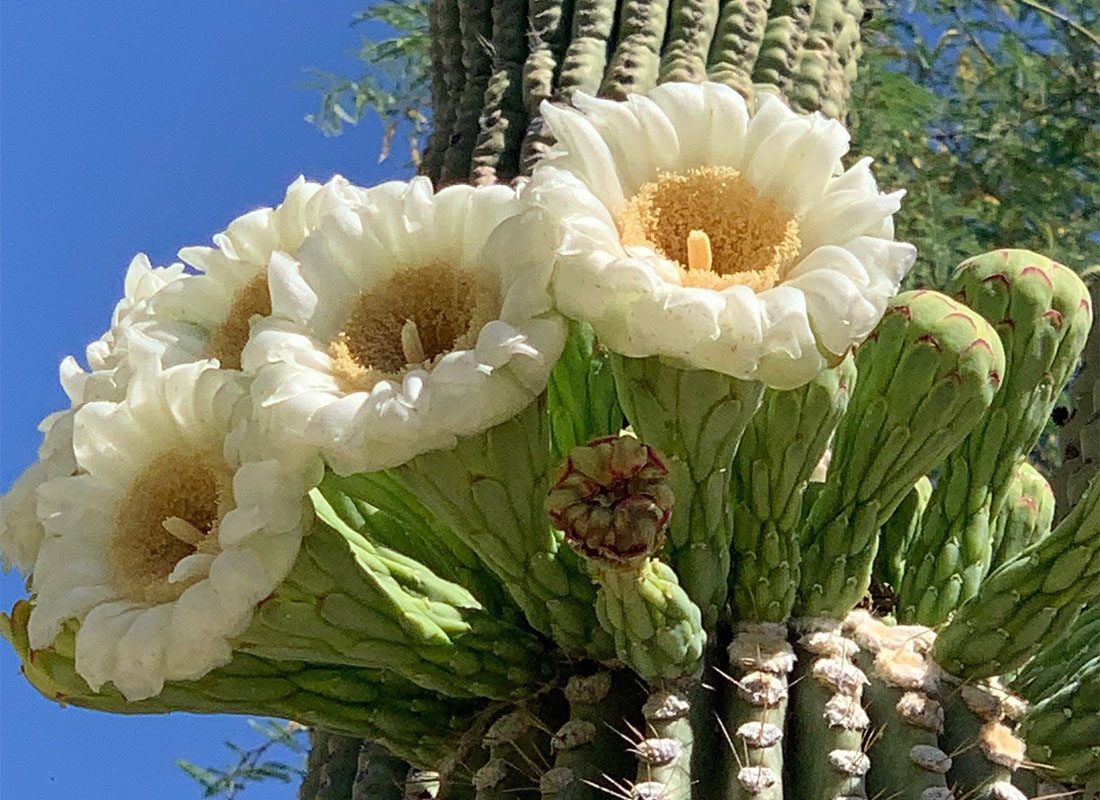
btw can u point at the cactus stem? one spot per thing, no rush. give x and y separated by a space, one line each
664 747
476 27
829 723
979 736
636 61
503 117
754 707
447 79
586 56
737 42
691 29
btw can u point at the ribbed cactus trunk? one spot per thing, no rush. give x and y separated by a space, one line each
795 693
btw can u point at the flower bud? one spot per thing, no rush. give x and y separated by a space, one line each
613 500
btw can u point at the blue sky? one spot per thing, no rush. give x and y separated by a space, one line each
131 126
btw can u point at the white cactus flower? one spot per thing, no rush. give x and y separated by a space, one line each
173 529
208 315
408 320
108 376
718 239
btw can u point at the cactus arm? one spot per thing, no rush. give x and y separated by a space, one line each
548 23
445 42
489 489
754 710
586 56
696 418
664 750
636 60
1029 602
825 67
985 749
906 717
1056 665
331 768
503 118
691 29
409 528
518 746
899 532
1063 730
780 449
589 748
374 704
379 775
581 394
476 28
926 375
657 629
828 722
1025 517
784 34
348 601
1041 312
737 41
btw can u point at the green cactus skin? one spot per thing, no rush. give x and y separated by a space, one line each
664 747
754 710
926 375
824 70
581 395
476 27
696 418
1041 312
828 723
636 61
737 41
657 629
1029 602
1056 665
407 527
985 750
332 766
518 745
586 56
548 22
904 746
898 533
1082 432
348 601
420 726
690 31
786 31
1063 730
780 449
1025 517
589 748
490 489
503 118
445 44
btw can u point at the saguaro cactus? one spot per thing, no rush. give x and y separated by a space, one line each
748 525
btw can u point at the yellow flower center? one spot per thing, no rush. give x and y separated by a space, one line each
171 510
715 226
410 320
228 339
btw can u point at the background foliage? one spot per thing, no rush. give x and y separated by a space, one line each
987 112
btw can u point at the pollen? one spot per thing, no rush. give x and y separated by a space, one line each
410 320
172 510
228 339
715 226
